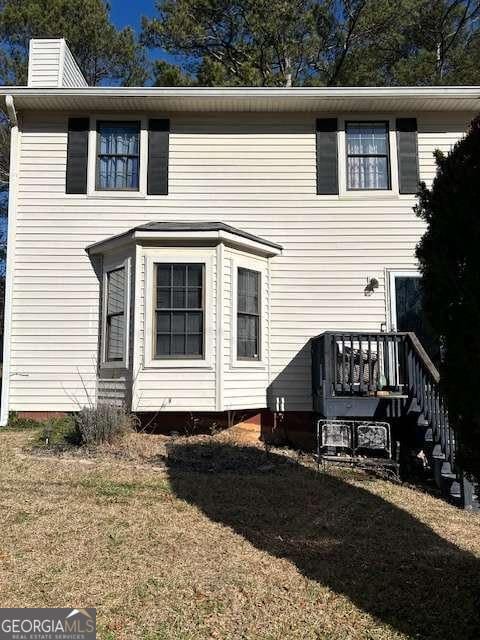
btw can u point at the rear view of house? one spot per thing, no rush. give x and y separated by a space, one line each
179 250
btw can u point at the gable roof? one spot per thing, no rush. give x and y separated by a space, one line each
318 99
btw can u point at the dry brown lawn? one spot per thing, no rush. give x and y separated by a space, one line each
192 552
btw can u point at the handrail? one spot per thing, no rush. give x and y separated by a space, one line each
423 355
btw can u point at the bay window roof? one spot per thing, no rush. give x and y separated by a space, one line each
188 232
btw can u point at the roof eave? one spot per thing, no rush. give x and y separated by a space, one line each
247 98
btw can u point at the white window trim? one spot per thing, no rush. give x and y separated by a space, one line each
392 304
208 313
92 191
116 364
343 192
261 268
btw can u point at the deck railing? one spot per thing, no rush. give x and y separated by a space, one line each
384 365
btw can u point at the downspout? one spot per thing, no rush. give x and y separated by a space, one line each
12 201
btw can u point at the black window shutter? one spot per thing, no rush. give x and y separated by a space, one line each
407 148
327 156
77 155
157 175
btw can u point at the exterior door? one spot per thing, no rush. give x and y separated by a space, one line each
407 310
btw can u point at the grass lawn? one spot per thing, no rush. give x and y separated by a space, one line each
265 550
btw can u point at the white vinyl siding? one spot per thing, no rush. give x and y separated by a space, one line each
51 64
44 63
72 75
253 171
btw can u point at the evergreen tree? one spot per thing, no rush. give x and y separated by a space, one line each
449 259
317 42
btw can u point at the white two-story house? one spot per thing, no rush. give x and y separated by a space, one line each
177 249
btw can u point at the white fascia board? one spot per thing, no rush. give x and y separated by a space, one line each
472 91
247 99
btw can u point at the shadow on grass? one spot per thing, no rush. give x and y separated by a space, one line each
384 560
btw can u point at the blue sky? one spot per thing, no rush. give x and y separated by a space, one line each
129 12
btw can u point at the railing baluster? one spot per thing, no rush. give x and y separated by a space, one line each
404 373
344 372
352 367
396 362
386 363
334 358
369 364
361 364
379 365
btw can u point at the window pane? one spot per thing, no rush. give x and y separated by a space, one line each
194 322
248 291
163 322
163 275
367 173
163 298
115 335
119 138
194 345
178 322
178 345
367 138
194 298
179 275
163 345
179 299
117 172
242 290
247 340
115 291
195 275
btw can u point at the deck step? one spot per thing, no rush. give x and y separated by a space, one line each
447 472
437 452
429 435
455 490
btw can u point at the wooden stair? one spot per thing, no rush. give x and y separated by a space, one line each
390 376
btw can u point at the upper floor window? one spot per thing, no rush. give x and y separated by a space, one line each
248 314
368 162
179 311
118 156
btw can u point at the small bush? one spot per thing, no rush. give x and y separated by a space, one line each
106 422
16 423
59 431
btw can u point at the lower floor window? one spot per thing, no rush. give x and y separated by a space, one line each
115 316
248 314
179 310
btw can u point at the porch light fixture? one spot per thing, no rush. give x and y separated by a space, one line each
372 284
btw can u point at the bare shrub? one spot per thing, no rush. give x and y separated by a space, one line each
106 422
